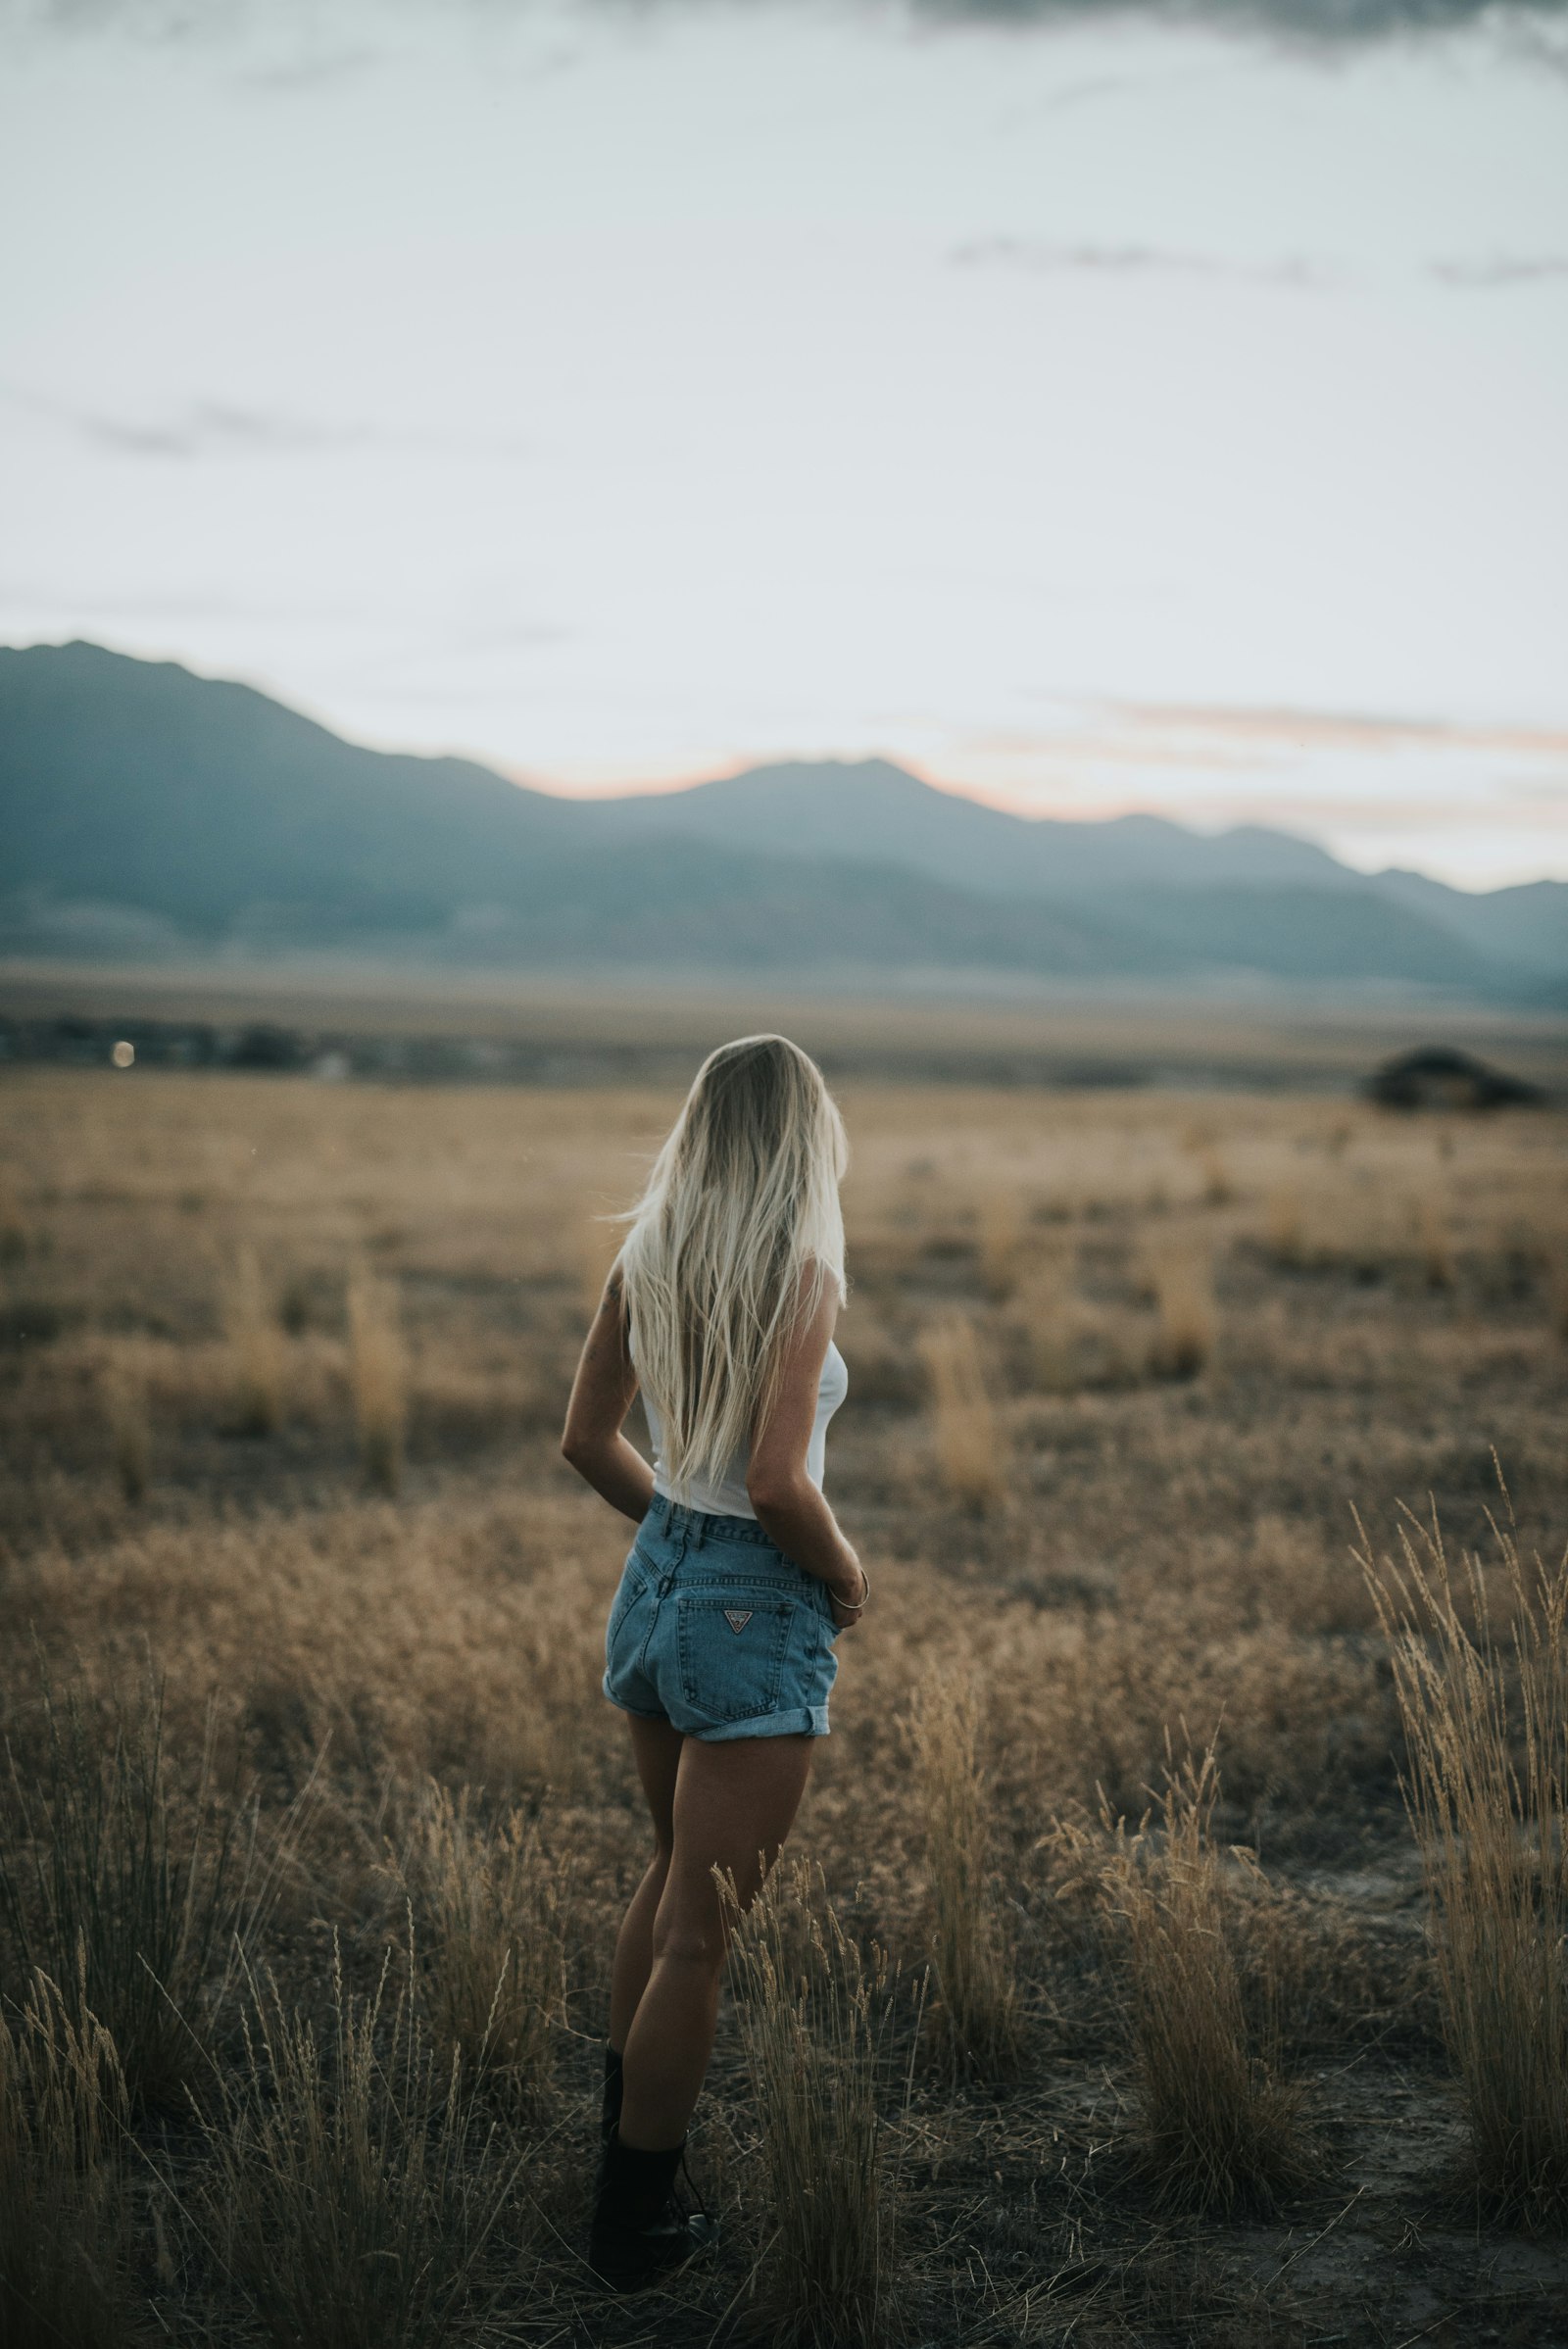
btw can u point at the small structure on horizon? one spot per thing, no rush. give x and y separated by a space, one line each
1437 1076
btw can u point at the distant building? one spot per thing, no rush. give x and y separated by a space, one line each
1437 1077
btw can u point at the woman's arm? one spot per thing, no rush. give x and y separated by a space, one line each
600 1397
789 1508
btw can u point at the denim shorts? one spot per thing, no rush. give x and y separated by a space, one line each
717 1631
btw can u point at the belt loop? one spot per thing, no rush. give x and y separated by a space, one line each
702 1529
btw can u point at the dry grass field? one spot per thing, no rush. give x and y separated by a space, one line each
1109 2000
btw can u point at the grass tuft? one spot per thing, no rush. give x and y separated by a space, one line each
353 2187
379 1377
975 2015
1218 1188
64 2214
1556 1266
1433 1240
494 1942
1184 1301
13 1226
112 1885
1052 1319
1219 2130
129 1415
968 1440
816 2016
256 1348
1285 1230
1486 1720
999 1228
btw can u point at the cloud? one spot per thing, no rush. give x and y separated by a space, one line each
1321 21
1316 729
204 429
1042 260
199 603
1318 23
312 72
1501 270
224 428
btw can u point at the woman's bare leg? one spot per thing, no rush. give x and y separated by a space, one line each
735 1804
656 1748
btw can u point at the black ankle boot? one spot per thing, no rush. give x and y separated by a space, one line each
641 2227
609 2109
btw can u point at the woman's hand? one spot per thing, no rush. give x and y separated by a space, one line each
848 1601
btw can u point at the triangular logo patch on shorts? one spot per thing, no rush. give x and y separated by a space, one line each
738 1618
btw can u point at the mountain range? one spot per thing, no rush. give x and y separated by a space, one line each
147 812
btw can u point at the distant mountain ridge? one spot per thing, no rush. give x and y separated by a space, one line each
146 812
864 809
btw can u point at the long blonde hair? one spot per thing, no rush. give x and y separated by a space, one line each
730 1246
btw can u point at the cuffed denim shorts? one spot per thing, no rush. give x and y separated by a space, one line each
717 1631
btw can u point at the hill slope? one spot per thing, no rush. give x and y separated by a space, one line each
148 810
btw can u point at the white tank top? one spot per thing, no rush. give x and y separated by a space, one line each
726 1495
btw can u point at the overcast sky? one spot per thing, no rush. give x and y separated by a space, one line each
1095 413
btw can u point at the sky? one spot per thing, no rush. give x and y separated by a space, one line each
1090 410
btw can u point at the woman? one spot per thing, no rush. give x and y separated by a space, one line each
719 1646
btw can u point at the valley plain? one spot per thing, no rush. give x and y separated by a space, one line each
284 1368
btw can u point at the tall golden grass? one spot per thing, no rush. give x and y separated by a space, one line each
133 1898
1286 1229
353 2187
1434 1240
1183 1282
1000 1226
255 1346
493 1939
968 1437
1052 1319
816 2015
377 1377
1484 1708
129 1415
1219 2129
1556 1274
1178 1558
65 2218
1218 1190
13 1227
974 2012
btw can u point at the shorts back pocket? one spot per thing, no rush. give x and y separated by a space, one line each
732 1645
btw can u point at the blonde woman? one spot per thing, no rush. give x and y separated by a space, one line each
719 1646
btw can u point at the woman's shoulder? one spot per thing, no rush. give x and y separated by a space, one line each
819 1284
